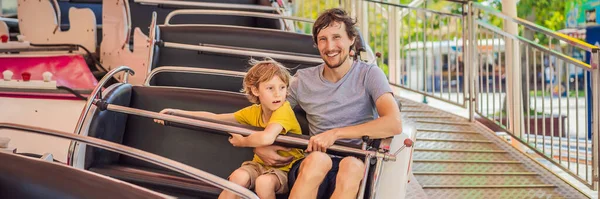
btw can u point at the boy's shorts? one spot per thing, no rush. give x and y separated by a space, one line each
255 169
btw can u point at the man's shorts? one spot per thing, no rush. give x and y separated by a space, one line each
328 185
255 169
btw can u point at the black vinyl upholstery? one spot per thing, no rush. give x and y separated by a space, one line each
24 178
141 16
241 37
232 36
194 148
204 81
108 126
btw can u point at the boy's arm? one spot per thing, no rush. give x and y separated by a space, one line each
259 138
229 117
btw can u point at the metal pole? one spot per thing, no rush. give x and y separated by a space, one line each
596 116
393 50
363 185
362 17
470 62
513 70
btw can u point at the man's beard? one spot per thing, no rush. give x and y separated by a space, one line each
342 60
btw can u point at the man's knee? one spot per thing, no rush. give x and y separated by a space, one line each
352 167
316 162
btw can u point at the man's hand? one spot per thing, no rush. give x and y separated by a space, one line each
237 140
164 111
322 141
269 155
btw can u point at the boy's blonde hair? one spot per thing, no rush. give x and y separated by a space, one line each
262 71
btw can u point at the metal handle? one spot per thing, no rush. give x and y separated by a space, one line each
206 5
243 52
407 143
551 52
181 69
232 13
97 91
141 155
233 129
536 27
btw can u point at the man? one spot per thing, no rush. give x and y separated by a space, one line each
344 99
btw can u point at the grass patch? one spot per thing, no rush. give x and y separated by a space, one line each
540 93
531 113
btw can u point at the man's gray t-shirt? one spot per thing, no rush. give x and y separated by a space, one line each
348 102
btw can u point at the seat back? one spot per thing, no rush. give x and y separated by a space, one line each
218 35
231 36
196 80
141 15
24 178
94 5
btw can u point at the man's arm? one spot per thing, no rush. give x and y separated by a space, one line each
257 139
388 124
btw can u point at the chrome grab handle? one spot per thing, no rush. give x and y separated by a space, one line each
181 69
234 129
141 155
95 93
231 13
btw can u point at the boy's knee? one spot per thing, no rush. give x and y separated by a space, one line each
266 182
240 177
316 162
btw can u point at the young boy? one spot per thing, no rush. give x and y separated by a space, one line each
265 85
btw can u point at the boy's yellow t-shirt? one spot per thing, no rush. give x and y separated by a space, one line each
284 115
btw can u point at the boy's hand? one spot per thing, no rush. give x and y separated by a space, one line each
165 111
237 140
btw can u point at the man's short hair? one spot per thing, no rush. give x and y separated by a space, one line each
263 71
332 15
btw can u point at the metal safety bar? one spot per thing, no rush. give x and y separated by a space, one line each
232 13
245 52
206 5
181 69
141 155
234 129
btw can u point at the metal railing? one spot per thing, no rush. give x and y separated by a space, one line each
419 49
530 84
540 97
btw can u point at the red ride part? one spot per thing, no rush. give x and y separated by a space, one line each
408 142
4 38
26 76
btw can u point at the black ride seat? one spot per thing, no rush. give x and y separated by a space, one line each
230 36
24 178
201 148
141 15
219 35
